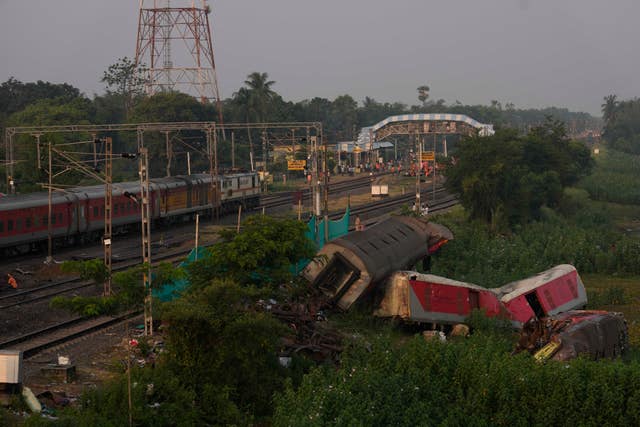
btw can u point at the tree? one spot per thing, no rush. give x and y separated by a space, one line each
507 177
256 96
224 352
45 112
171 107
622 124
423 94
125 81
343 114
261 254
609 108
16 96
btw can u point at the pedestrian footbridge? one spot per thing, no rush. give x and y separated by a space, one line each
422 124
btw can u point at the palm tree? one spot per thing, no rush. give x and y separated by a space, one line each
259 94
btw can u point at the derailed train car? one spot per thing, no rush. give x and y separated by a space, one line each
588 333
417 297
426 298
347 267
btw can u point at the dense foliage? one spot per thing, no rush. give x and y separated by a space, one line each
471 382
622 124
126 287
256 101
616 178
220 367
262 254
585 240
508 177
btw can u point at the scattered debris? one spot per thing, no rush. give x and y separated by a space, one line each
310 336
31 400
591 333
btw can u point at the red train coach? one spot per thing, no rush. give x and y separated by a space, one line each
24 220
419 297
78 213
427 298
551 292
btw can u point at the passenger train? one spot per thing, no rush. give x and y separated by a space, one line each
78 213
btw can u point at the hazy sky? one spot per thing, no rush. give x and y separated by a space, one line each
534 53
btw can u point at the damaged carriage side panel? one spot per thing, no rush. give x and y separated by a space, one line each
553 291
417 297
428 298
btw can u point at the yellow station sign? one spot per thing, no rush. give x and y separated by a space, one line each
296 165
428 156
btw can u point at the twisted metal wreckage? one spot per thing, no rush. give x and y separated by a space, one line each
544 307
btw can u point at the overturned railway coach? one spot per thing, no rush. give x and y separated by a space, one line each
418 297
347 267
78 213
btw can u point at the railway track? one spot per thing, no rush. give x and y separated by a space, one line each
285 198
60 287
50 290
37 341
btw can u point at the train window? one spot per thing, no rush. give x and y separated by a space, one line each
128 206
60 218
10 225
53 219
27 223
1 227
96 212
253 181
102 211
44 220
122 208
238 183
115 209
18 224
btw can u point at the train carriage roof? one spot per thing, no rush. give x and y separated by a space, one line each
431 278
519 287
32 200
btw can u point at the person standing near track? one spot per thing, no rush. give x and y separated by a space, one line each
12 281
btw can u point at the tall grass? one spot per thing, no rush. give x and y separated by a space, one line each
616 178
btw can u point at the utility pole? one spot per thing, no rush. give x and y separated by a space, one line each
416 137
49 225
265 154
314 176
108 206
433 198
325 176
169 150
233 150
146 238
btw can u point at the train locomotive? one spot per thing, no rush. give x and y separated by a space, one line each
78 213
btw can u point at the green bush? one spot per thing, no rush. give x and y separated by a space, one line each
463 382
616 178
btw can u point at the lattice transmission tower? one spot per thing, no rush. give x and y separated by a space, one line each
175 45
